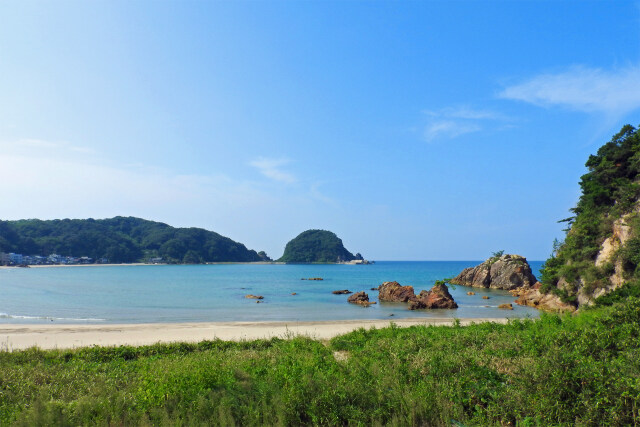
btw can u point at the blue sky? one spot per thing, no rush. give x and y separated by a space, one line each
414 130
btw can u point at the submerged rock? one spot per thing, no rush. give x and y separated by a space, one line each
394 292
504 272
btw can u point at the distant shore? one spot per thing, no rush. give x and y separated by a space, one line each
137 264
61 336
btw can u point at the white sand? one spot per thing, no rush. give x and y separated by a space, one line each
47 336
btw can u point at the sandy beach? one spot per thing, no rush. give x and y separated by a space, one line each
50 336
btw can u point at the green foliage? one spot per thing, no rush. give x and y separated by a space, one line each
609 190
316 246
497 254
120 239
556 370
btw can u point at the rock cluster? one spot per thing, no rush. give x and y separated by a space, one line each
534 298
437 297
360 298
505 272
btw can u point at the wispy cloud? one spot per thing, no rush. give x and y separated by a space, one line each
451 122
613 92
272 169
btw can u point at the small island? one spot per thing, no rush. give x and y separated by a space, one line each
319 246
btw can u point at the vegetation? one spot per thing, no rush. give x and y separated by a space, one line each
566 370
316 246
121 239
610 190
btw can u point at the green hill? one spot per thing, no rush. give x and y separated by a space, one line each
317 246
601 252
121 239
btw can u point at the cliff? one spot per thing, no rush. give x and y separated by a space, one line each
601 251
316 246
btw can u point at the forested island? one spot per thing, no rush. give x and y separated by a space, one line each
319 246
122 240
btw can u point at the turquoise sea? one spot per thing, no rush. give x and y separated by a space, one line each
214 293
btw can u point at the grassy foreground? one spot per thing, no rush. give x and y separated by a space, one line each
556 370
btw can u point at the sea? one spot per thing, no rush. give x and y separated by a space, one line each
216 293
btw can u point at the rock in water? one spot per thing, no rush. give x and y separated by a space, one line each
394 292
360 298
534 298
505 272
254 296
436 297
341 292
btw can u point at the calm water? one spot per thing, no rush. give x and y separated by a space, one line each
203 293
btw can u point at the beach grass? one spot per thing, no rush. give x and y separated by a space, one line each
555 370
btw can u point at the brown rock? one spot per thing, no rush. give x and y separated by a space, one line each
315 278
504 272
533 297
436 297
506 306
254 296
471 293
341 292
394 292
294 293
360 298
485 297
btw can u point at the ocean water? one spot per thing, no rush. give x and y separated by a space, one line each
215 293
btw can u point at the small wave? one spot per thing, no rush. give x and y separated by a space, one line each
70 319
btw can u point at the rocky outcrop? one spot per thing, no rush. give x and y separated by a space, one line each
436 297
532 297
505 272
341 292
394 292
360 298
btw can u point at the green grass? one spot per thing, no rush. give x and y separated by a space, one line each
557 370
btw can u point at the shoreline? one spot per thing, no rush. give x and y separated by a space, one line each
136 264
15 336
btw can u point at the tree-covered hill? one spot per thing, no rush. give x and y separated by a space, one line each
317 246
601 251
121 239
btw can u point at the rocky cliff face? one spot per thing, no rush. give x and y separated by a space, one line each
504 272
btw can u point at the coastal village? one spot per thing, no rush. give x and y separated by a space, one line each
14 259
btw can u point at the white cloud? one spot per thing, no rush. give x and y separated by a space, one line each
451 122
448 129
271 168
580 88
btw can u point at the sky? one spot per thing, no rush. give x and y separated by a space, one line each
433 130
